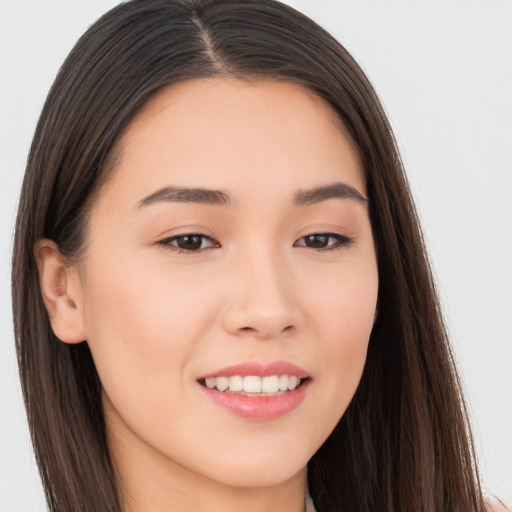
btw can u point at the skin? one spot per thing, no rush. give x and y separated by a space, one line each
156 319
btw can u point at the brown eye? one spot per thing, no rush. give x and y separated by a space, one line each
324 241
190 242
316 241
193 242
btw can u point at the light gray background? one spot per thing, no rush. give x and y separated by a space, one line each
444 72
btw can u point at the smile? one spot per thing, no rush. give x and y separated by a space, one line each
257 391
253 385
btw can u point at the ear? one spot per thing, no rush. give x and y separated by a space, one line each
62 292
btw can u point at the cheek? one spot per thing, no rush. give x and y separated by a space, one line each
342 305
344 314
351 316
143 328
145 306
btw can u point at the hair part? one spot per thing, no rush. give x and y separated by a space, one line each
404 442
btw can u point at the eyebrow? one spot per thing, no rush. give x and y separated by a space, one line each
220 198
188 195
332 191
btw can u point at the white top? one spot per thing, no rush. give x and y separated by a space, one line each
310 506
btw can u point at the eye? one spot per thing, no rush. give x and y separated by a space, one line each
191 242
324 241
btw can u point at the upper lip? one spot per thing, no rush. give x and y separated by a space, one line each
259 369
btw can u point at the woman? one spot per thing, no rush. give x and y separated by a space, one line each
217 249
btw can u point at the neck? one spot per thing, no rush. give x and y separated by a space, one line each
148 481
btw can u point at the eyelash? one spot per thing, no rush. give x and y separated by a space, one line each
341 241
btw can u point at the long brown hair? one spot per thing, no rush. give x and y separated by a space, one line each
404 442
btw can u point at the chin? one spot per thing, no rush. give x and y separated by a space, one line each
267 475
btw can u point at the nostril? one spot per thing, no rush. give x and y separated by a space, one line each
251 330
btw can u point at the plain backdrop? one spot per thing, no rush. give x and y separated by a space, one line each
443 70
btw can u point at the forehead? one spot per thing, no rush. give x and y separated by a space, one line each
253 94
210 132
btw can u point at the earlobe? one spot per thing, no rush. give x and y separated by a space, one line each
61 291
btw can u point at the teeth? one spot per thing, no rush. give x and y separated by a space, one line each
236 383
292 382
222 383
283 382
253 384
270 384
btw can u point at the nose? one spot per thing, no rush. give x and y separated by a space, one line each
262 302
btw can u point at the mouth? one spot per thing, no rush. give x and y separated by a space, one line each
257 391
254 385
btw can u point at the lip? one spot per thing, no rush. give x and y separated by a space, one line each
260 370
259 408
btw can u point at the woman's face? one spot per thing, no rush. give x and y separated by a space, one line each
230 247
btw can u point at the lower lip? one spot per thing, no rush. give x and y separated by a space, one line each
259 407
